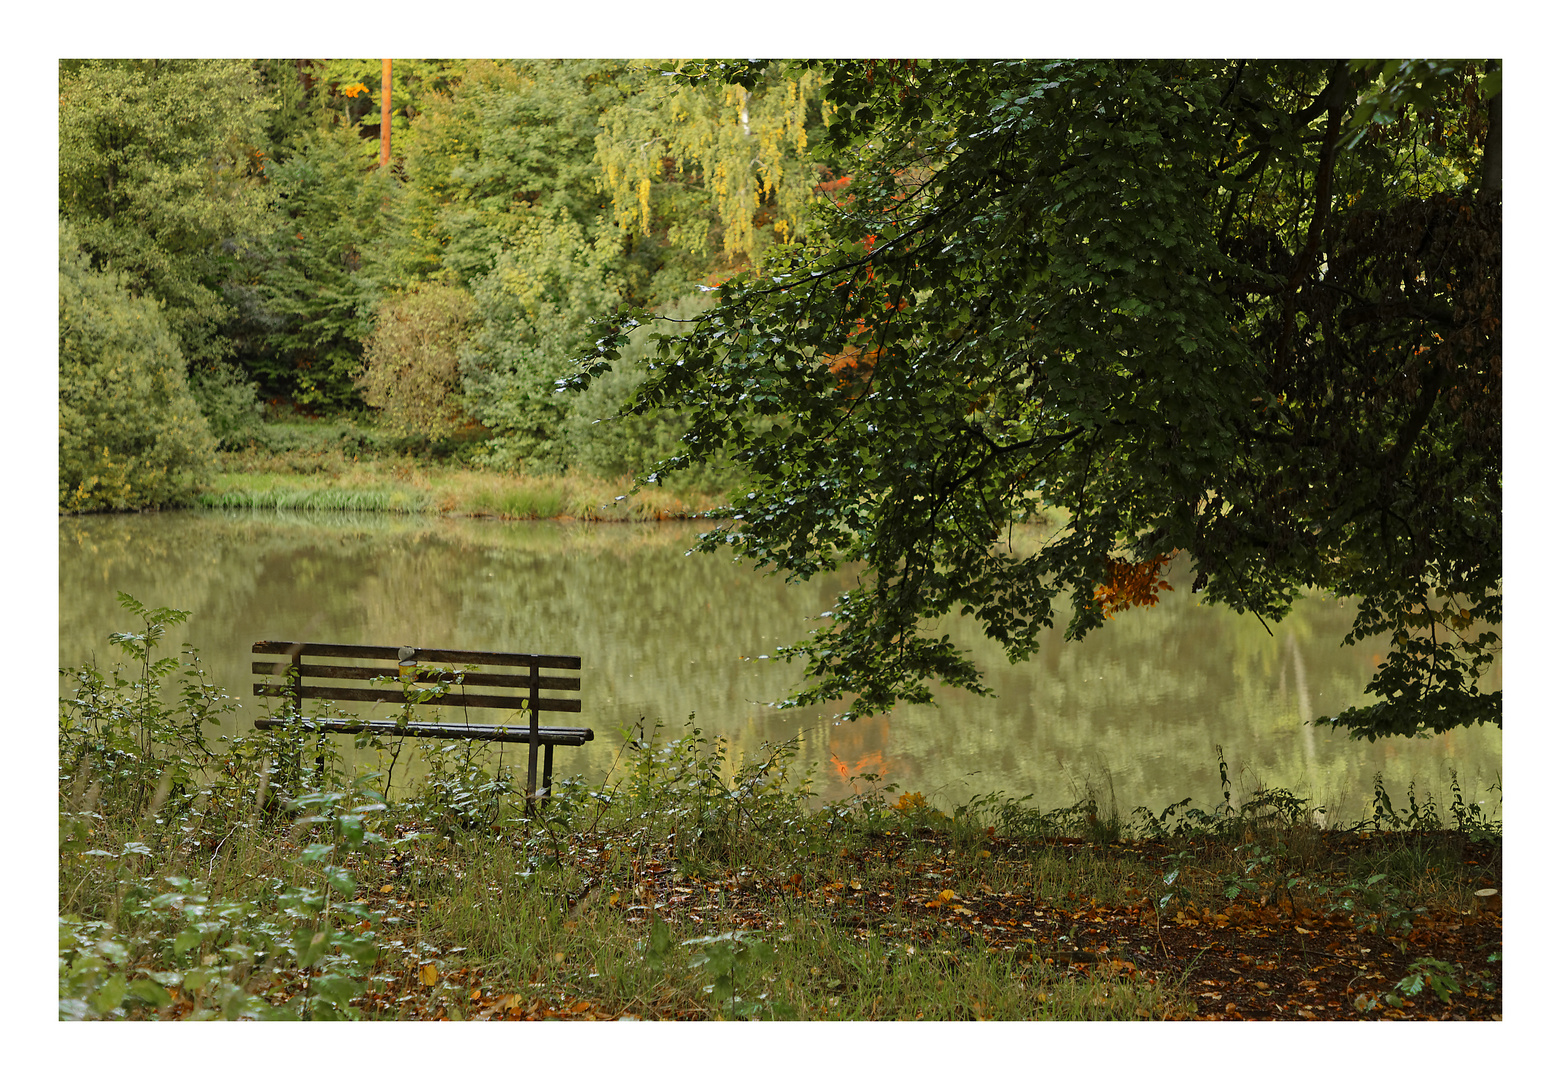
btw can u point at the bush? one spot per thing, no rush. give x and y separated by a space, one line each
601 441
412 360
230 403
131 433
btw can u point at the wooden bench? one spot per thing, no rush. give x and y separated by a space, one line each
470 680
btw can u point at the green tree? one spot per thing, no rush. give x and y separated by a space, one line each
313 282
602 439
502 198
131 435
158 171
509 141
1246 314
535 309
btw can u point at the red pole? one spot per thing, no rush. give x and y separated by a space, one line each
384 115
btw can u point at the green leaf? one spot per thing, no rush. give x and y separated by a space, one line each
187 939
110 995
311 945
148 991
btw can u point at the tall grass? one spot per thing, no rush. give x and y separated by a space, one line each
418 489
303 498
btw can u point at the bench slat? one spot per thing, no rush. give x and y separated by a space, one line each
437 656
468 678
509 733
392 695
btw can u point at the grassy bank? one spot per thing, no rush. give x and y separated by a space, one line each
410 488
342 465
233 881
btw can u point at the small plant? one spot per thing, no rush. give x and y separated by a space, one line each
1468 818
119 731
1376 905
1427 973
333 940
682 787
1176 889
1265 866
174 949
1219 756
728 959
1276 807
1147 824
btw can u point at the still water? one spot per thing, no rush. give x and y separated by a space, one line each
1133 713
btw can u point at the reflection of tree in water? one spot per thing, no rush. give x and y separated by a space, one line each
1146 698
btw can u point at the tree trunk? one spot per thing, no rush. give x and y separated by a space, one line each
1490 175
384 114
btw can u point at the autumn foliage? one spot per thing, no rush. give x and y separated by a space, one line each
1130 584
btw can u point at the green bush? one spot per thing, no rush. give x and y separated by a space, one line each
412 360
230 402
131 433
602 442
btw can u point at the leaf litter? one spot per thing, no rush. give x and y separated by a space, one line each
1260 957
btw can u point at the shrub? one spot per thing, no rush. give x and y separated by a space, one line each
603 440
230 403
131 433
412 360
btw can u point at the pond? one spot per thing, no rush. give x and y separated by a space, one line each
1134 713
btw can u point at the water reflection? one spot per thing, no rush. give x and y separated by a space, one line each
1136 711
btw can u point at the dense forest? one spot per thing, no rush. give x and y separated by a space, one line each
254 220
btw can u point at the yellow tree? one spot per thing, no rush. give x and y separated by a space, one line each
719 169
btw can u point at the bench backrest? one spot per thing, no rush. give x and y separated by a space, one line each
480 680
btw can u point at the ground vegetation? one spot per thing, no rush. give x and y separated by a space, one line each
234 878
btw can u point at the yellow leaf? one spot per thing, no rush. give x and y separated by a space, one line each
947 894
428 974
387 888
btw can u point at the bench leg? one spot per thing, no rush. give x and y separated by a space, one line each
531 778
547 772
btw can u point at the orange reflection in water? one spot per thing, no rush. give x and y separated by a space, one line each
861 746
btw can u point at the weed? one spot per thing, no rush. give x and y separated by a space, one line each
1427 973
